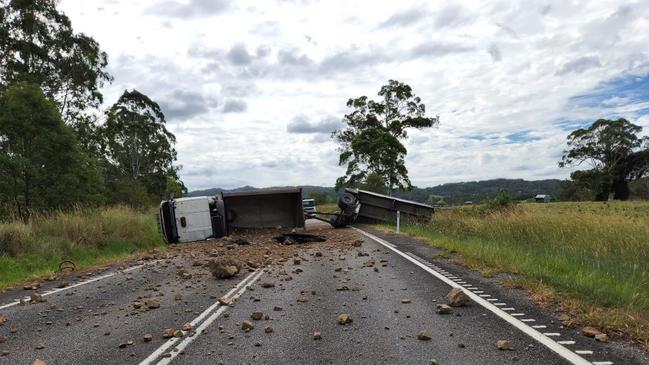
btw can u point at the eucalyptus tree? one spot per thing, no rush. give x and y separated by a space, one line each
371 143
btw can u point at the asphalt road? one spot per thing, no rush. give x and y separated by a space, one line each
390 302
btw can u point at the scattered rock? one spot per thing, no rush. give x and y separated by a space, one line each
3 339
3 319
39 362
344 319
40 345
147 337
590 331
564 318
601 337
318 254
168 333
187 327
433 361
297 261
225 300
178 296
317 335
257 315
267 284
357 243
504 345
406 301
247 325
457 298
268 329
137 304
37 298
152 303
278 308
423 336
224 268
178 333
444 309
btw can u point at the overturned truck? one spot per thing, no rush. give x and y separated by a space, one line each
203 217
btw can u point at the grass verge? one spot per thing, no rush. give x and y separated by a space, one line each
590 260
87 237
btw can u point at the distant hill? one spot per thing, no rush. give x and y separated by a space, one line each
453 193
478 191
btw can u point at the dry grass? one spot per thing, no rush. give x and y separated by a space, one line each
86 236
594 256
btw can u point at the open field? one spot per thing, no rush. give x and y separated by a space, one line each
87 237
592 259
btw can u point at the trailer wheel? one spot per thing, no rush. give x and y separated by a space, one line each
347 200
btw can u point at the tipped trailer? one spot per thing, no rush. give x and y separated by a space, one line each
198 218
202 217
382 207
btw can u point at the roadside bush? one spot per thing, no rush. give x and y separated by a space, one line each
86 236
14 237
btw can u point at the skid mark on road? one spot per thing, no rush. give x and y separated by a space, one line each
522 324
174 346
72 286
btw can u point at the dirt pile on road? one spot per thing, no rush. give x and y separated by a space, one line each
248 250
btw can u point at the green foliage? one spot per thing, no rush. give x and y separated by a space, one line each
140 150
320 197
434 199
374 182
597 253
615 154
86 236
41 164
38 45
371 142
500 201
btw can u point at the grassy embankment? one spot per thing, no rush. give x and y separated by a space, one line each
87 237
588 259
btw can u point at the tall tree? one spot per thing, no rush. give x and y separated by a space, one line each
38 45
139 146
615 153
41 164
371 141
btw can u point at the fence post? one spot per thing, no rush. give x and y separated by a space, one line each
398 221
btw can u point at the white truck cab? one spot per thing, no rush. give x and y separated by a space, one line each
309 206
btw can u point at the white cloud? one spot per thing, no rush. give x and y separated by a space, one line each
489 69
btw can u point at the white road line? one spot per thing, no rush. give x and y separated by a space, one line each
602 363
540 326
233 293
566 342
584 352
493 299
58 290
484 296
538 336
478 292
528 320
517 314
552 334
500 304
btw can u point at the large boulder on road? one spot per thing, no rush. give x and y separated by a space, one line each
224 268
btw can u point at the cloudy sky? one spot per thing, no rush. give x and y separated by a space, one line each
253 89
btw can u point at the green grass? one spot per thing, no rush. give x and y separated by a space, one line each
328 208
596 253
87 237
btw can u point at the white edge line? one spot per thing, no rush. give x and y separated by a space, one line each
58 290
538 336
169 343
